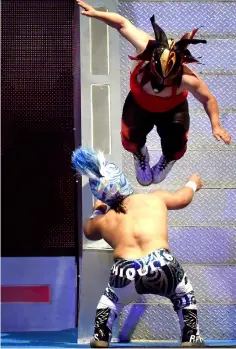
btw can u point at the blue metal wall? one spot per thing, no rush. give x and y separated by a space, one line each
57 272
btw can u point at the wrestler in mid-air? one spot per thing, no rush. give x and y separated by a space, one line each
159 84
135 226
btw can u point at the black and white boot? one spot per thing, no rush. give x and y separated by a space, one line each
161 169
142 167
190 332
103 328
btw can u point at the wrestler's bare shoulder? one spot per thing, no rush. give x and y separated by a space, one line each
144 199
190 77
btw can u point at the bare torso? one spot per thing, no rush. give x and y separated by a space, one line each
140 231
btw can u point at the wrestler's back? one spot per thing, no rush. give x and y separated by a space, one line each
140 231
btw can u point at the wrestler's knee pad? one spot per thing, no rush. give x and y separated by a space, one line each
184 295
186 301
109 300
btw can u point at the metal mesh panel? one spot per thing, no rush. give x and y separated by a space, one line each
216 19
159 322
199 239
37 123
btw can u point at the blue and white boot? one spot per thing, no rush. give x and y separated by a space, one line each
142 167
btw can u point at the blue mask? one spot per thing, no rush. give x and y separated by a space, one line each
107 182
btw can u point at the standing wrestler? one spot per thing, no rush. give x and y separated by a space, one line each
159 86
135 226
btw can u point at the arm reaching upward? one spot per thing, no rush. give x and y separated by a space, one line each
137 37
182 197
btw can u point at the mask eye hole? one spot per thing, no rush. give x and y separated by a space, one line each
170 63
154 71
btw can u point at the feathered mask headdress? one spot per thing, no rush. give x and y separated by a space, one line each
165 56
107 182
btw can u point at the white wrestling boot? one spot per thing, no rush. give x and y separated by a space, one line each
142 167
161 169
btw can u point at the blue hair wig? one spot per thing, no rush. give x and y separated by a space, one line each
88 162
107 182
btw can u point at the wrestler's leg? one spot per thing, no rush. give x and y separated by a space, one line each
172 128
106 313
184 303
166 277
136 123
119 292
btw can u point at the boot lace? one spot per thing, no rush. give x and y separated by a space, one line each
142 161
164 164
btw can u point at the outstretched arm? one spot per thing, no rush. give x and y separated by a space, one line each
137 37
182 197
200 91
92 229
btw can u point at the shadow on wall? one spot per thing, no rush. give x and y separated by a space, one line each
131 322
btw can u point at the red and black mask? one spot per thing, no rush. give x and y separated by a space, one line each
166 57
